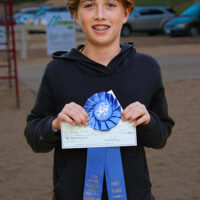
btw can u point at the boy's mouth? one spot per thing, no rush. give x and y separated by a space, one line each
100 27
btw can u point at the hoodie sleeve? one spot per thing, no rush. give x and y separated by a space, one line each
155 134
38 131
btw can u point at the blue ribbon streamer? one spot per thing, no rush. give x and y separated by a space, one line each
94 173
114 174
105 112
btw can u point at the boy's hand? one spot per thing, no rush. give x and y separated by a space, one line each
136 112
72 113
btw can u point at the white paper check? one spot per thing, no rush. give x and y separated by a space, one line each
123 134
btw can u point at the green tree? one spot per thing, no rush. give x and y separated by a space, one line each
18 2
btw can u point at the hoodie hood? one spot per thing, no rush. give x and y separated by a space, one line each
119 63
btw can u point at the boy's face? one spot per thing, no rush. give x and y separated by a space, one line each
101 20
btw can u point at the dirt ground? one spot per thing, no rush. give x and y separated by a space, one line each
152 45
174 170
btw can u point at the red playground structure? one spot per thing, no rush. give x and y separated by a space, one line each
7 44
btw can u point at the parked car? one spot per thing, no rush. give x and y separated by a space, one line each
188 23
57 9
150 19
24 14
40 12
30 10
23 19
41 20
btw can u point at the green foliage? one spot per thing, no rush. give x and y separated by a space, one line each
18 2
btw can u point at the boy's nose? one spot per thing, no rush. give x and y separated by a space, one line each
100 12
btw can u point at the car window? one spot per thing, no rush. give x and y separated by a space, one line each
32 12
58 9
42 11
156 12
136 9
171 10
151 12
191 11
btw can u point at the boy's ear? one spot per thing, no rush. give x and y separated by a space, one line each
75 16
126 14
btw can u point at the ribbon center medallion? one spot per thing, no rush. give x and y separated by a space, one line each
102 111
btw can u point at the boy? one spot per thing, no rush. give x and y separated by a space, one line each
102 64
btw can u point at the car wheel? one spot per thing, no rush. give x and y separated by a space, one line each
193 31
126 30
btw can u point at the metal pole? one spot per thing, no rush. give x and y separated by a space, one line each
8 42
14 52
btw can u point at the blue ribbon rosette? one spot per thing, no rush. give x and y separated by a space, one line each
104 111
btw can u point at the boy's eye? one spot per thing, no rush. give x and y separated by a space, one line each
89 5
110 5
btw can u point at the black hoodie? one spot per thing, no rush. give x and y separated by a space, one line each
73 77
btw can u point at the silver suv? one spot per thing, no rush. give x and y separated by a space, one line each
149 19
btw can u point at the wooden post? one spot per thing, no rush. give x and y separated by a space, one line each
23 42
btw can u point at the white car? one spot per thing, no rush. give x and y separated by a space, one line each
150 19
22 16
42 20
